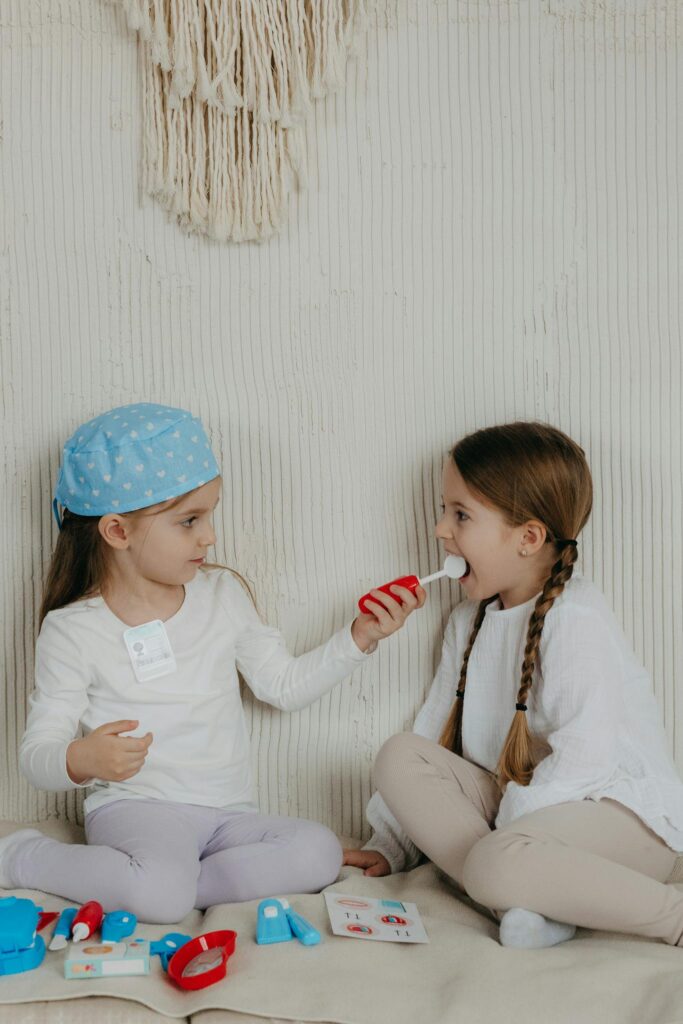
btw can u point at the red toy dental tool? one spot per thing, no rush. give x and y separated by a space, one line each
454 567
87 920
202 961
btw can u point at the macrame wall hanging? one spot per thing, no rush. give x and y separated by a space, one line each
227 84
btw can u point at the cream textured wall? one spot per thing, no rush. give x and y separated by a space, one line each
492 230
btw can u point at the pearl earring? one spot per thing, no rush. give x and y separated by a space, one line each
524 552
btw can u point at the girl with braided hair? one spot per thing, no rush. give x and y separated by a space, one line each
537 776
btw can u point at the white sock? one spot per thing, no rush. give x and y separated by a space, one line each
528 930
7 844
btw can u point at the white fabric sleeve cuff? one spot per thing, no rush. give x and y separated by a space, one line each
395 856
45 767
354 650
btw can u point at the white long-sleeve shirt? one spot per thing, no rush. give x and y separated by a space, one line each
591 707
200 751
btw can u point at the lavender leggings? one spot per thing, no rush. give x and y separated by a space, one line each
160 859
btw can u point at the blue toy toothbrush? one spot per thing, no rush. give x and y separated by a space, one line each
271 923
63 928
301 928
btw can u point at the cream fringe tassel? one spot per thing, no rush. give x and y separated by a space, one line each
227 85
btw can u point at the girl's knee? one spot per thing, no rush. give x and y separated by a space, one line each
160 895
324 856
491 870
391 759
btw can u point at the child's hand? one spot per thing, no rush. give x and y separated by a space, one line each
106 755
388 614
374 862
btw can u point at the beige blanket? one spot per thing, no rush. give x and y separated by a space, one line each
463 974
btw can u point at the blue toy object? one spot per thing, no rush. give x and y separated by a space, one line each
302 929
62 930
165 947
21 948
271 923
277 922
117 925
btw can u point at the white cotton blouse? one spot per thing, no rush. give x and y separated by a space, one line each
200 751
591 702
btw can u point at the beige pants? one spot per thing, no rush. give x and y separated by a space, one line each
593 864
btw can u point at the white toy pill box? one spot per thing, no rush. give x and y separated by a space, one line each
92 959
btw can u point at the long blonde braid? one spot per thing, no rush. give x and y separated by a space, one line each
516 758
451 736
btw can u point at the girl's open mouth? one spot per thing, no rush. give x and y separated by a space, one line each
466 573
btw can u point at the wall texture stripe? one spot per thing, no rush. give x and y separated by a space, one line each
491 230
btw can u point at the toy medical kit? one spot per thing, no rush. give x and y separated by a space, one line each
21 948
454 567
202 961
361 917
272 924
117 925
105 959
62 929
168 946
302 929
87 920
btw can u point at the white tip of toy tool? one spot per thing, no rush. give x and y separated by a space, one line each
455 567
80 932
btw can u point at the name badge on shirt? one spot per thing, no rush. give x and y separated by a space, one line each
150 650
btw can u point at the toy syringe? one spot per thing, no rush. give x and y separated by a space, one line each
454 567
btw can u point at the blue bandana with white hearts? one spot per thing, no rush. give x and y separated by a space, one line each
133 457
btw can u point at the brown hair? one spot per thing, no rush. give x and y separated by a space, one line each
527 471
78 566
79 562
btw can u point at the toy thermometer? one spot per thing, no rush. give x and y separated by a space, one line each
454 567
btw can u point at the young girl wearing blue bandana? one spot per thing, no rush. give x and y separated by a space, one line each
140 643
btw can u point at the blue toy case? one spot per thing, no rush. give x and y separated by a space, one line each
21 948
